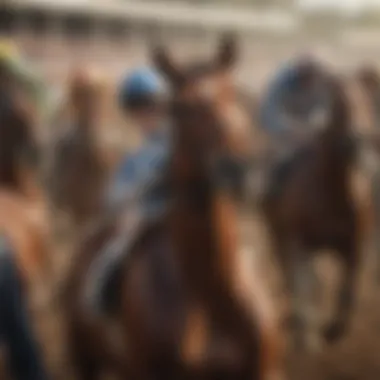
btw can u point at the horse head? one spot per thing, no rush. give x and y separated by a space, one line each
199 126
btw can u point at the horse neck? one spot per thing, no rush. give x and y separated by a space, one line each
203 222
335 150
236 124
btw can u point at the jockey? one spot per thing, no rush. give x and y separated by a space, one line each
292 101
138 185
141 97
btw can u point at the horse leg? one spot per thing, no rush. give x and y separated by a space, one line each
301 282
339 324
232 313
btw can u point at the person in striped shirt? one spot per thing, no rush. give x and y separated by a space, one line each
141 97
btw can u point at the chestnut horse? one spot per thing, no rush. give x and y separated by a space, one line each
186 307
311 208
236 108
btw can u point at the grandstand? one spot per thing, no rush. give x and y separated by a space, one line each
54 33
96 13
116 34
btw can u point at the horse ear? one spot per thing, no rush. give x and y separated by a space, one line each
165 64
228 52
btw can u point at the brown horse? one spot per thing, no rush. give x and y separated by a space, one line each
233 108
77 172
310 206
187 310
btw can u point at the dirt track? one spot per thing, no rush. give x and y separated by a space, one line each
354 358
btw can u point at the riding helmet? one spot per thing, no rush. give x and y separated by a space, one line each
143 87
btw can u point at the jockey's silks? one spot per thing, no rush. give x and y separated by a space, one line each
140 176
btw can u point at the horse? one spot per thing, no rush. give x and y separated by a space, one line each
236 107
185 308
21 198
76 173
309 206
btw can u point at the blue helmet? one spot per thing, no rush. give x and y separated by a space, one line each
141 85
